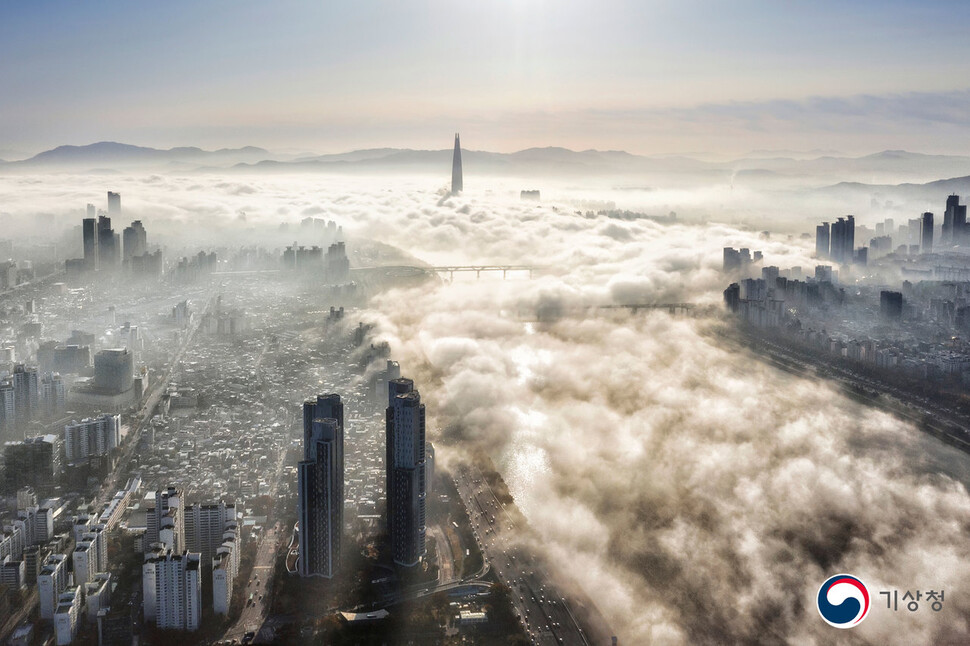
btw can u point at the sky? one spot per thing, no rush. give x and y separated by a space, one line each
647 76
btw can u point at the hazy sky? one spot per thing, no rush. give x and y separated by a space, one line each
649 76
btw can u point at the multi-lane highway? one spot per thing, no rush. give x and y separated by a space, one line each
546 614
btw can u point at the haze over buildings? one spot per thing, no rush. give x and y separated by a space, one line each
668 394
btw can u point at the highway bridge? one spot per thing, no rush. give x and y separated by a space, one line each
407 270
410 270
478 269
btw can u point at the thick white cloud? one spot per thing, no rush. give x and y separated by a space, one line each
697 494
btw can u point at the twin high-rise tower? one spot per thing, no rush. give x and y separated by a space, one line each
321 480
321 486
406 483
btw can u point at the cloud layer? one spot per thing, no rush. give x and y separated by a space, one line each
698 495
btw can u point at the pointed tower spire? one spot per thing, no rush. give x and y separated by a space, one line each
456 186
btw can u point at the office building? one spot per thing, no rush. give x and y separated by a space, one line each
822 241
456 179
71 358
34 462
114 203
842 234
8 406
337 264
406 485
12 573
26 387
321 486
172 588
43 523
946 232
33 557
891 304
114 371
53 394
91 437
116 625
955 222
108 244
89 233
926 236
135 241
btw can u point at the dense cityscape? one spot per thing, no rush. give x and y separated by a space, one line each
193 461
471 324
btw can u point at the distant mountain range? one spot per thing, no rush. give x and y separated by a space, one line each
929 192
774 168
110 153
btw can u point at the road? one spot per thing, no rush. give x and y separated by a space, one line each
546 614
253 615
446 560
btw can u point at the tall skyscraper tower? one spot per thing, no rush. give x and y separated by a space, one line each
946 235
27 393
456 186
135 240
959 219
822 241
114 203
90 234
107 249
321 486
406 483
926 241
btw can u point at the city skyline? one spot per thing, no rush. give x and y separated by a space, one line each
684 362
650 78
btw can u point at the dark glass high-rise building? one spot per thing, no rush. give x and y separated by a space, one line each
456 180
26 385
89 230
406 484
822 240
321 486
107 248
947 234
958 215
35 462
114 370
926 238
843 239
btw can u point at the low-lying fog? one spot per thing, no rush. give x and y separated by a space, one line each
698 495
